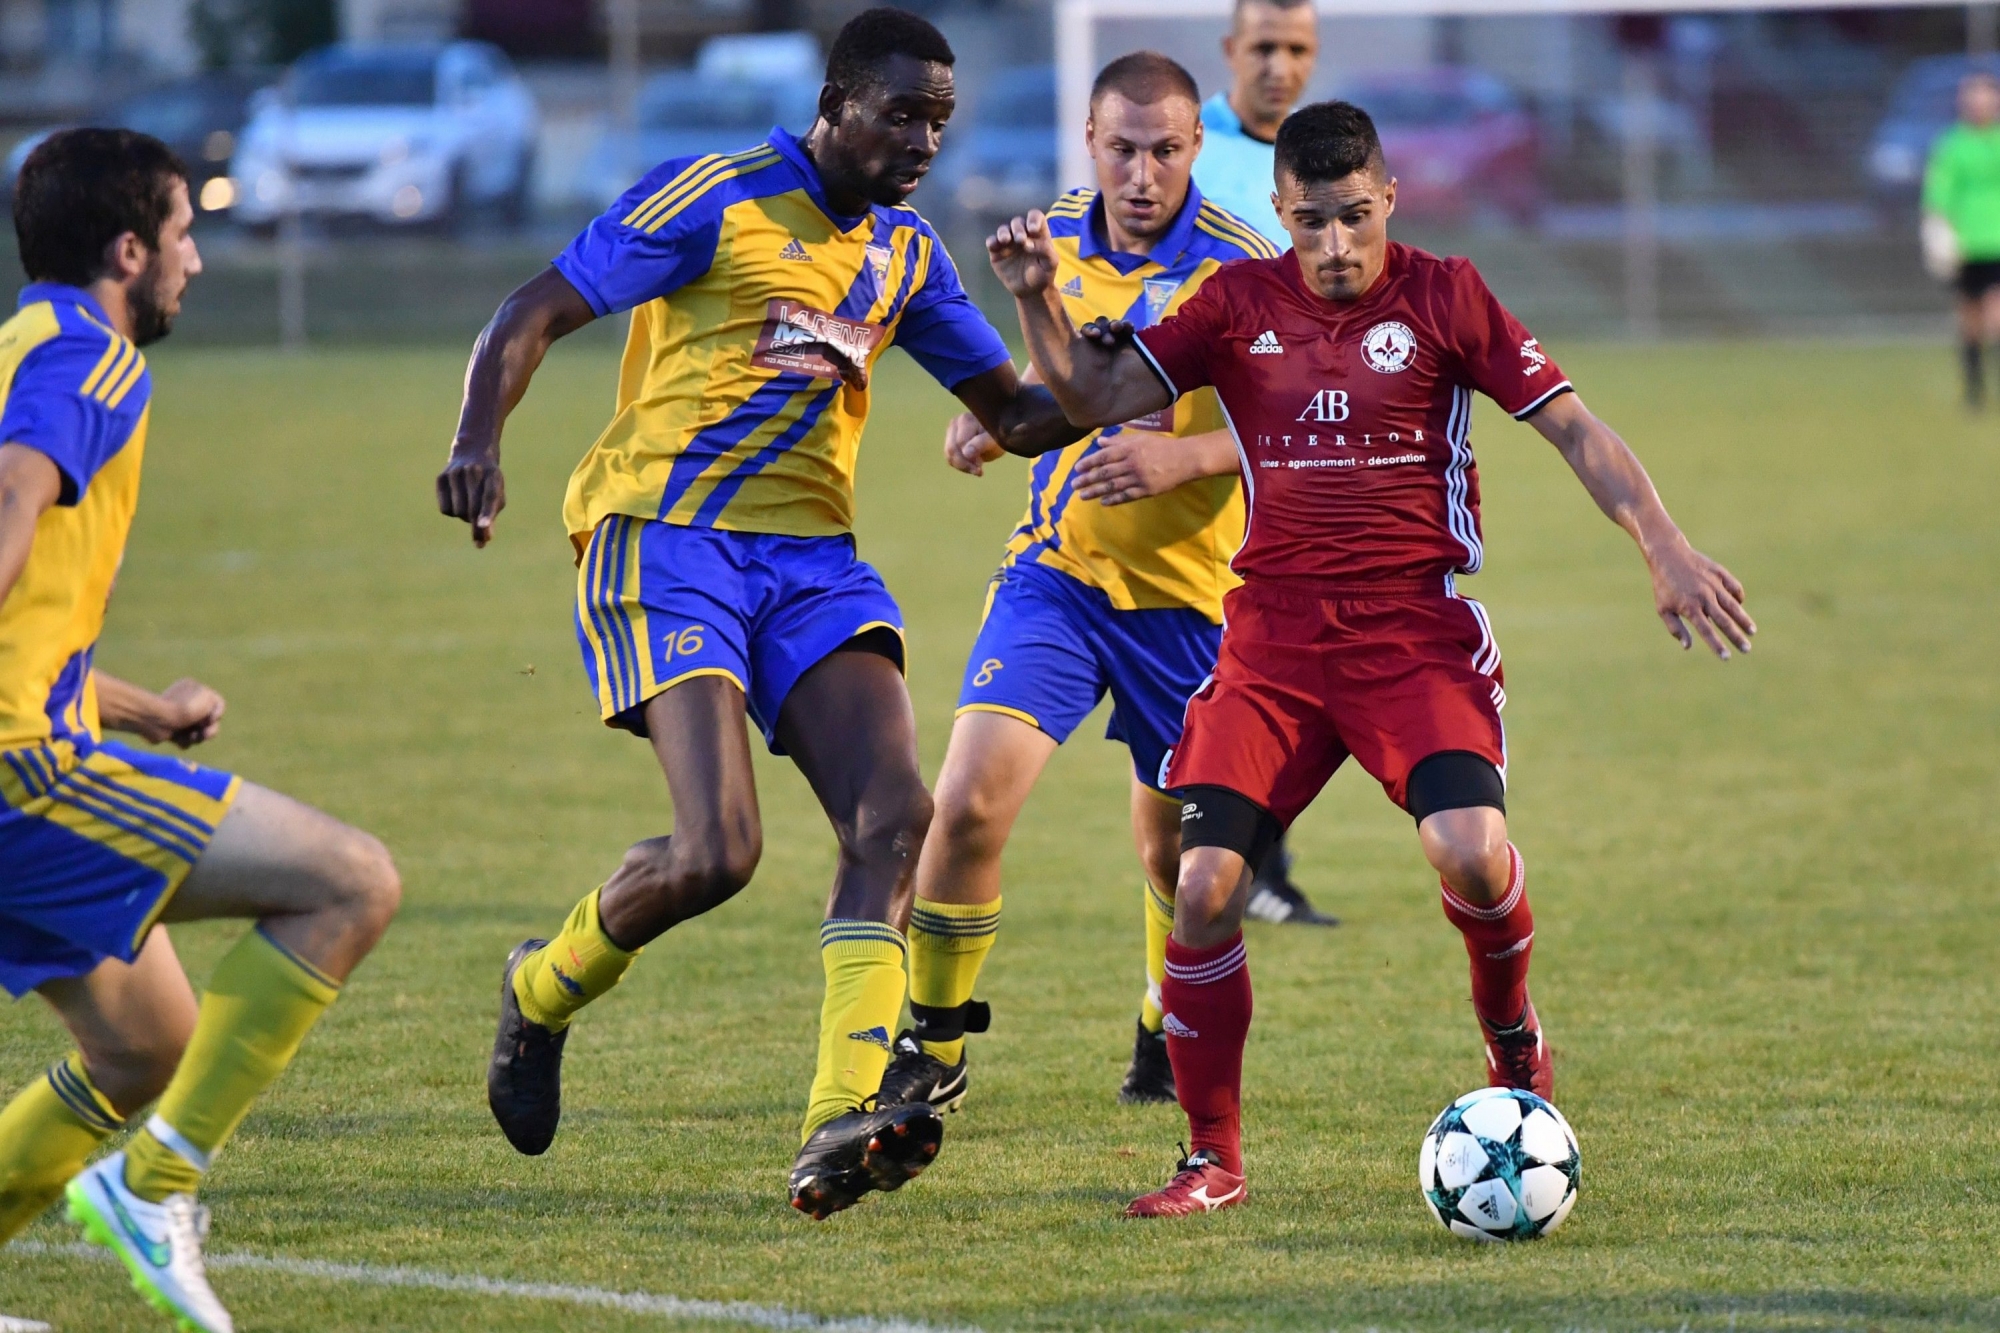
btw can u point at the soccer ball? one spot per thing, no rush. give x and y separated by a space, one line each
1499 1164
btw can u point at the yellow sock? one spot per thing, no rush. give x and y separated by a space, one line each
260 1004
1159 925
948 945
578 965
864 993
47 1133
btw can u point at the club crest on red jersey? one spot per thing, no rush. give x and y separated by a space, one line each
1389 347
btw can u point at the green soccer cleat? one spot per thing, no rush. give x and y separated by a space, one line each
159 1244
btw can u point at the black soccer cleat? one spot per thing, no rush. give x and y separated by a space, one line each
1276 899
1150 1076
916 1076
861 1151
524 1079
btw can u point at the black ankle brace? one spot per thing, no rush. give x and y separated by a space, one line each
949 1024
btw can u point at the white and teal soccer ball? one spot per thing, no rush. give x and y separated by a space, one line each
1499 1164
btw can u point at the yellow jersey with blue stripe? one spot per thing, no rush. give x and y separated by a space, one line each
1167 550
76 391
739 276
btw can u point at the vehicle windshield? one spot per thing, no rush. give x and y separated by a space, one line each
717 104
370 80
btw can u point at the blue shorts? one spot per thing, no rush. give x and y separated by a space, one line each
660 603
94 839
1051 645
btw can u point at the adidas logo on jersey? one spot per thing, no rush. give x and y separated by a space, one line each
1266 344
1074 287
793 250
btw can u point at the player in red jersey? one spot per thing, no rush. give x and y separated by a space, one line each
1346 369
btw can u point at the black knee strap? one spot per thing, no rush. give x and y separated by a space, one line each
950 1023
1219 817
1453 780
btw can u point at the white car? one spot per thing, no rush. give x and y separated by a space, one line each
400 134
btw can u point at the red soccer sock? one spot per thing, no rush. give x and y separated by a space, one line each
1207 999
1499 940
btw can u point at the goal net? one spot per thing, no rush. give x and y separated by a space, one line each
1637 168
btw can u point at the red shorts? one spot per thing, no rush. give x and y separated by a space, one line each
1304 681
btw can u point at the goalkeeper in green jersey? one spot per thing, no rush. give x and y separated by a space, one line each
1962 220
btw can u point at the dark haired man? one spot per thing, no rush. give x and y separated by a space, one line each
1270 48
100 842
1089 599
1346 369
717 571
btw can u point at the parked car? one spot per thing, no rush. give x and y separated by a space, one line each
1457 140
200 118
398 134
1004 159
1923 106
739 88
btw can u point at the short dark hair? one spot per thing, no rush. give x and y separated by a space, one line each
80 190
1145 77
872 38
1327 141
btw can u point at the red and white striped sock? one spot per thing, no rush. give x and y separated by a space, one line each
1499 939
1207 999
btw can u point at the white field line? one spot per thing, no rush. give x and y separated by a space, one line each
629 1302
9 1324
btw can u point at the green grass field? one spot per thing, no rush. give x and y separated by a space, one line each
1764 891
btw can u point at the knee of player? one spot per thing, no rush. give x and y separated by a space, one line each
889 827
713 864
375 886
1468 847
968 821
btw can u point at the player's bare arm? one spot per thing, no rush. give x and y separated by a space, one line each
29 483
509 350
1099 381
1023 418
1136 465
187 712
1689 589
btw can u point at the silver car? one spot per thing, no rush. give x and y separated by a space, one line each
399 134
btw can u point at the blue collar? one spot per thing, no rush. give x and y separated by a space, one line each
62 291
1095 241
794 152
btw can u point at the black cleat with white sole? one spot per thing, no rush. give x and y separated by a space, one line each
524 1079
861 1151
1150 1076
914 1075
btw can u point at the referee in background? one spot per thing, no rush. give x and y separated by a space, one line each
1962 220
1271 47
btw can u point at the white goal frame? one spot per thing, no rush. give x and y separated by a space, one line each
1077 58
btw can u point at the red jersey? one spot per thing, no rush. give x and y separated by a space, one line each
1352 418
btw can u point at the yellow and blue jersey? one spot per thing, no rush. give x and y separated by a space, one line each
1167 550
76 391
94 836
737 274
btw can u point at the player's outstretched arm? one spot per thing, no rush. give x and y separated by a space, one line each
1021 418
1689 589
1137 464
187 712
510 347
29 483
1098 378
